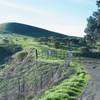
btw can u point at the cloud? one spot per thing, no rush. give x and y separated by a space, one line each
24 7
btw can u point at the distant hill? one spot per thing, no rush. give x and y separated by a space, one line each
28 30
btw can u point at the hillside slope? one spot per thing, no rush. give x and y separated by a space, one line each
31 67
23 76
28 30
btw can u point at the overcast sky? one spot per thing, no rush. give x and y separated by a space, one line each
64 16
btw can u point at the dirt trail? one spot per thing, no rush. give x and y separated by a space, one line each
92 91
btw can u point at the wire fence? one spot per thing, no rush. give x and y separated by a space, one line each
30 77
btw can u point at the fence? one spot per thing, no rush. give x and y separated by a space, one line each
30 77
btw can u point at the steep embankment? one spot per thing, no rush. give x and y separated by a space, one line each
25 77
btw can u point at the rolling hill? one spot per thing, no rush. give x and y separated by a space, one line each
44 36
27 30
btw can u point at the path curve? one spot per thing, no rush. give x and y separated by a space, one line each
92 91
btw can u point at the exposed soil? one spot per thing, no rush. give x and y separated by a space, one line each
92 91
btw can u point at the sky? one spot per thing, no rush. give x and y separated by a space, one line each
63 16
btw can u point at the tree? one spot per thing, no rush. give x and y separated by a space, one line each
93 27
90 40
98 3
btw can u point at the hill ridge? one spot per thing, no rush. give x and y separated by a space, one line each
24 29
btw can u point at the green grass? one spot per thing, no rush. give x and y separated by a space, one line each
29 42
70 88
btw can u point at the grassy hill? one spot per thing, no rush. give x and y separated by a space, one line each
28 30
49 38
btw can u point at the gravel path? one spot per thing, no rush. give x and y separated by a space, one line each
92 91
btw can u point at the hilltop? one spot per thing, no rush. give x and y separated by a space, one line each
27 30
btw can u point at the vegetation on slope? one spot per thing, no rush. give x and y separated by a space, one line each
70 88
26 77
